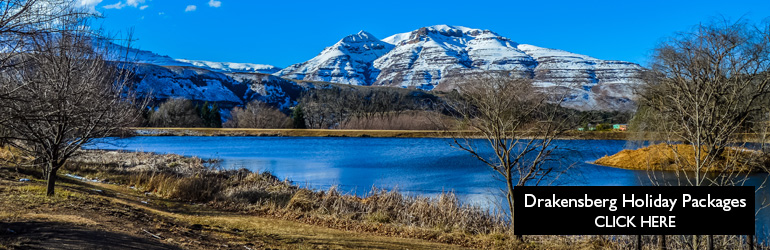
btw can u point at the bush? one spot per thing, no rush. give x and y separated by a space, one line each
176 112
257 115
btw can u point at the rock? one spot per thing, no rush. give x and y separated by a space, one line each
438 57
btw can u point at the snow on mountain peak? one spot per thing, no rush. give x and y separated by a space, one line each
149 57
439 32
233 67
450 28
437 57
347 61
361 36
430 58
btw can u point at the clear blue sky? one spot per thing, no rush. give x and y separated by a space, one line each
282 33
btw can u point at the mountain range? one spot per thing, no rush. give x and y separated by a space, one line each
434 58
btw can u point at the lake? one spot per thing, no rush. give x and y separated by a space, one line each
420 166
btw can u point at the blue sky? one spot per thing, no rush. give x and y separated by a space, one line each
282 33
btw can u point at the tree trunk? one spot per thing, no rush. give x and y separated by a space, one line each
49 191
509 196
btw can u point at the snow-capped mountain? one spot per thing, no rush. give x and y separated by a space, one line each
430 58
149 57
347 61
229 89
437 57
161 77
233 67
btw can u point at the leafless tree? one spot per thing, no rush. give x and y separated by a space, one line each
176 112
702 88
327 107
512 125
368 107
22 19
66 94
257 115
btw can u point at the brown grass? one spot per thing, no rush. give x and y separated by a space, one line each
114 218
442 219
11 155
681 157
256 210
409 120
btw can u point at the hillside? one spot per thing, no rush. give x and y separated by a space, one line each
438 57
434 58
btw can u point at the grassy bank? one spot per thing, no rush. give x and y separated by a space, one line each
590 135
87 215
681 157
122 200
174 201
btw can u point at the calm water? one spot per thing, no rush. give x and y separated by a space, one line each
423 166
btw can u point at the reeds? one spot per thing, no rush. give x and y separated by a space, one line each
442 218
195 180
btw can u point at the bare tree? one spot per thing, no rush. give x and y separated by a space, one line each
176 112
328 107
22 19
257 115
702 87
512 126
366 107
65 95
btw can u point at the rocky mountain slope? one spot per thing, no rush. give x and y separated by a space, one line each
149 57
229 89
347 61
437 57
229 84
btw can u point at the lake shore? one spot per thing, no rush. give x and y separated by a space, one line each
173 201
569 135
165 201
88 214
662 157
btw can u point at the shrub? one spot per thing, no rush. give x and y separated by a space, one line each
257 115
176 112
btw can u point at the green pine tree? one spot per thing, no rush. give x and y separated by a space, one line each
215 118
298 117
203 112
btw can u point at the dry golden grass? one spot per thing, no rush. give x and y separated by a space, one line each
442 219
238 217
10 155
681 157
410 120
115 218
